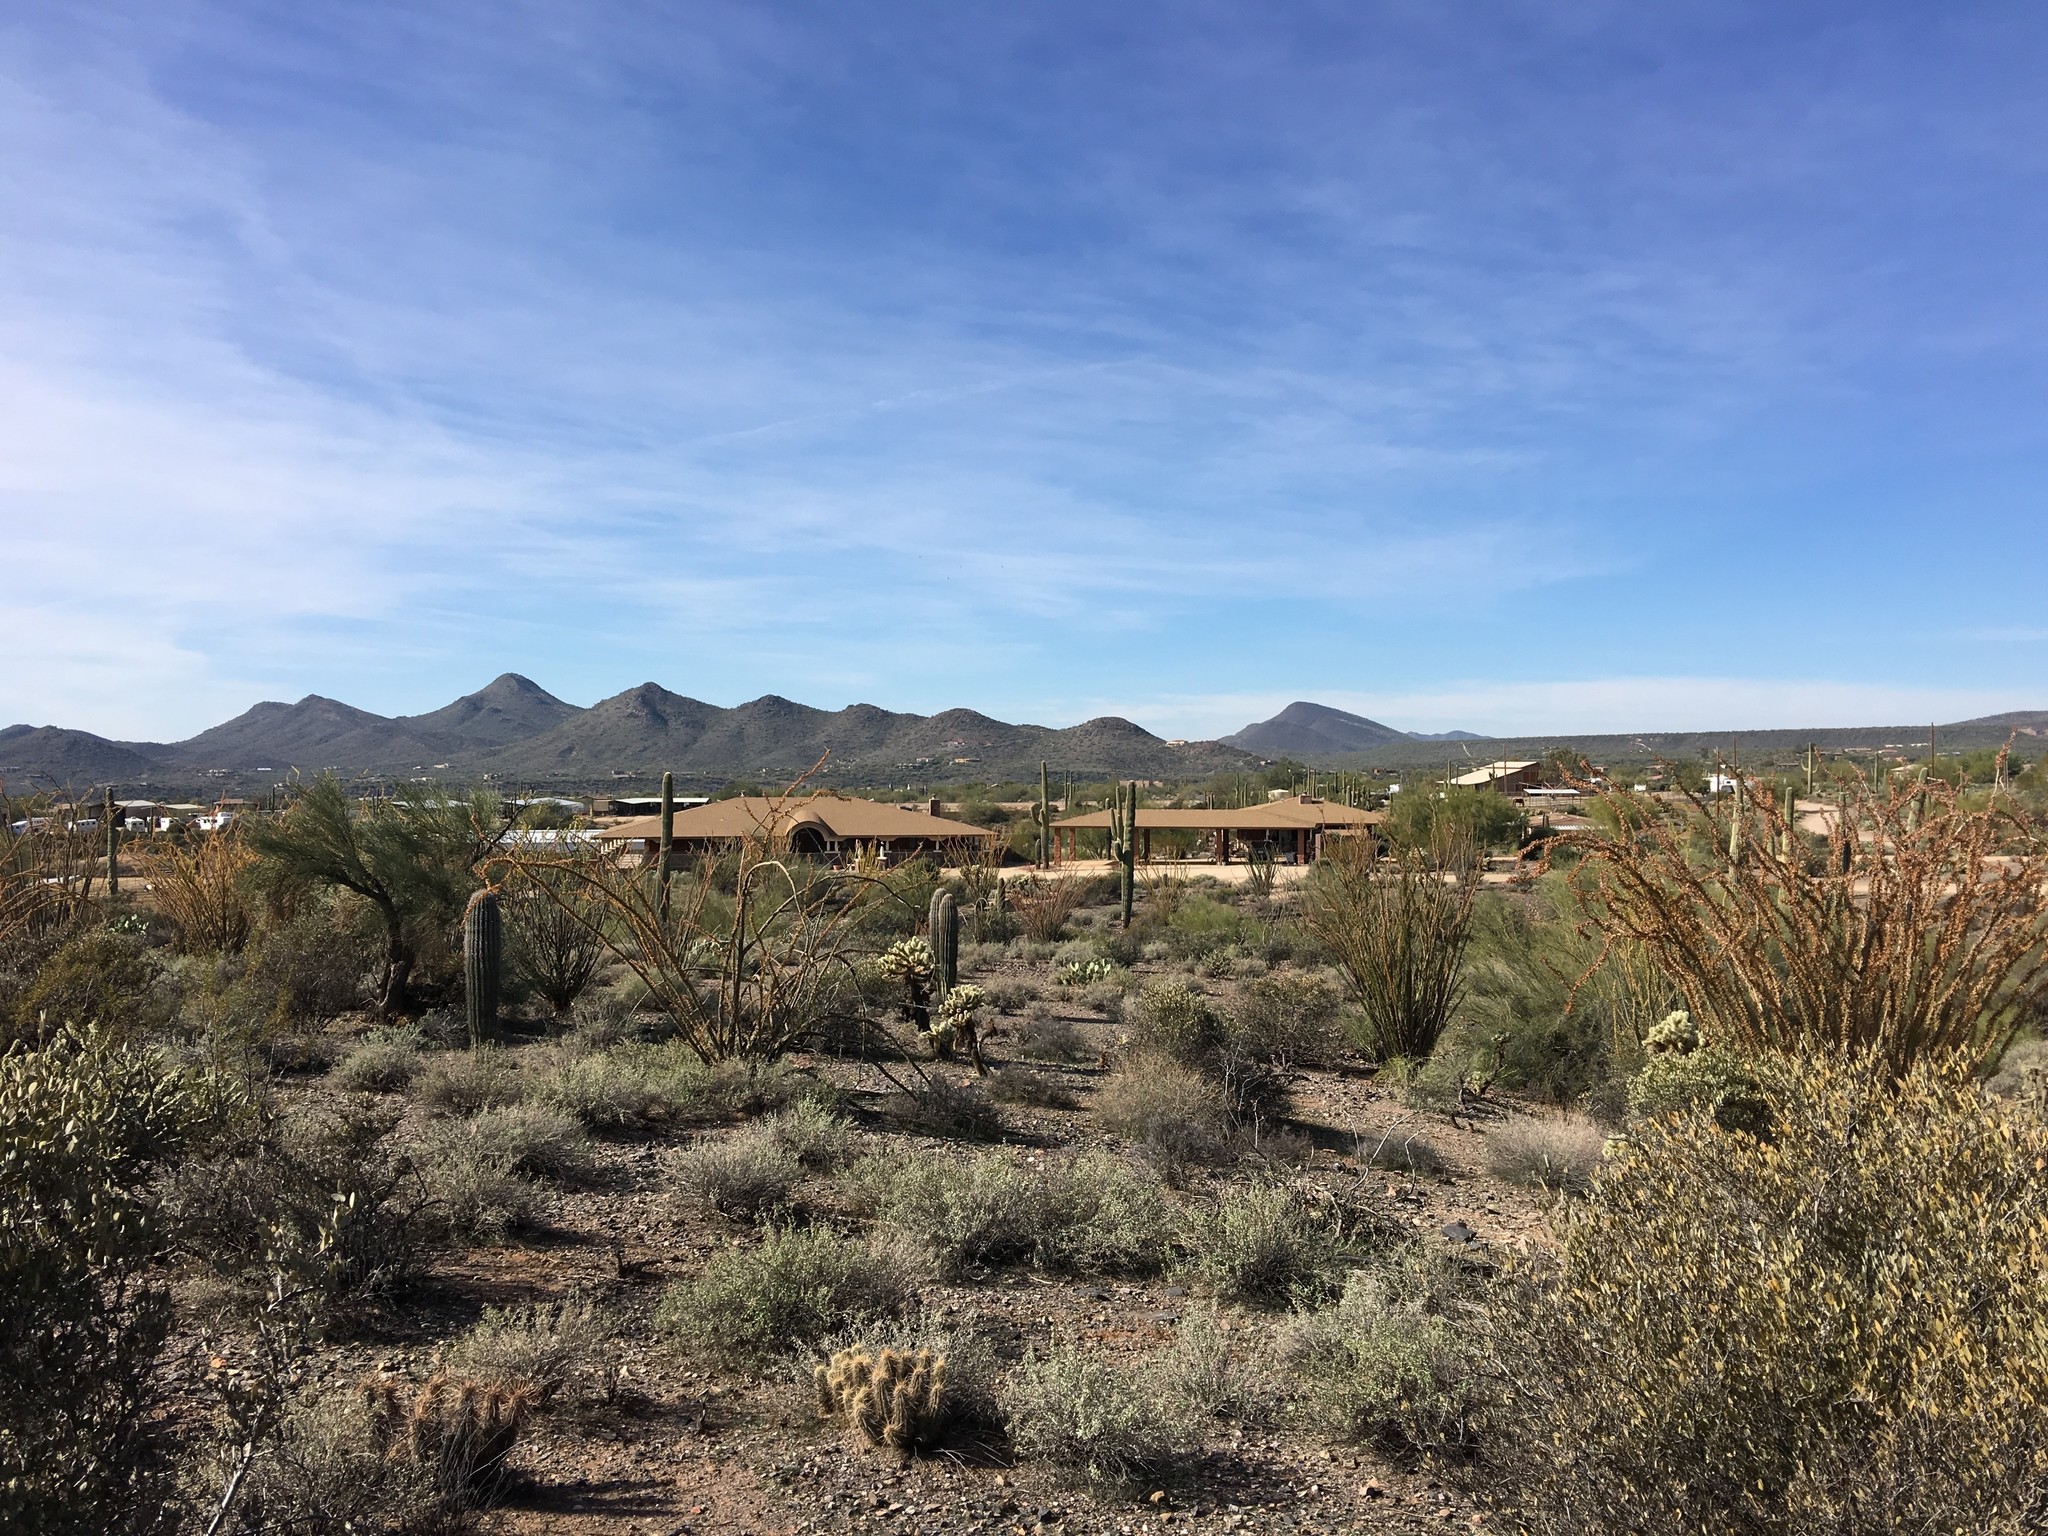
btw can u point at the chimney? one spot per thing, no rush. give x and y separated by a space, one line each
932 805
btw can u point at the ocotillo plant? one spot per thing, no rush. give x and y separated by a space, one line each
668 835
944 933
483 949
1123 840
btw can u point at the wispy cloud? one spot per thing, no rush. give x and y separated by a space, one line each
770 351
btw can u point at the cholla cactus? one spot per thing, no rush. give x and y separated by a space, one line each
459 1431
955 1023
896 1399
911 963
1675 1034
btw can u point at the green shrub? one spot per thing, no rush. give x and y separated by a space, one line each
1201 925
1176 1021
325 1468
1048 1037
793 1288
313 966
463 1082
537 1141
1836 1329
1268 1245
1092 1417
99 979
1387 1366
745 1174
387 1061
1216 1368
1105 1217
87 1125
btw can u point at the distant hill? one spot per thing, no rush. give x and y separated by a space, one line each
48 757
510 708
312 734
1313 732
1445 736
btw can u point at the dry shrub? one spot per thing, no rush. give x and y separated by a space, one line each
1175 1114
1021 1085
476 1194
745 1175
1918 930
814 1135
1835 1330
1559 1152
1395 1362
537 1141
463 1082
786 1293
1271 1245
945 1106
1043 904
386 1061
1397 928
552 1347
1095 1418
203 889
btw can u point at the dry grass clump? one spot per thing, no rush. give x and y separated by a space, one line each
1559 1152
793 1288
1918 931
1835 1329
946 1106
1401 1150
746 1174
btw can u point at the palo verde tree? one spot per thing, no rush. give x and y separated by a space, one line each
413 859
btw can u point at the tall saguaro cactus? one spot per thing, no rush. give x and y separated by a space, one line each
483 952
944 931
113 849
668 835
1044 817
1123 841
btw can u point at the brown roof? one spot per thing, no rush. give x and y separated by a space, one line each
833 815
1296 811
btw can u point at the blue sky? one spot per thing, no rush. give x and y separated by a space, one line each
1482 365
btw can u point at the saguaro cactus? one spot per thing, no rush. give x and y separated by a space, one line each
1044 818
1123 841
1735 825
668 835
113 848
944 936
483 951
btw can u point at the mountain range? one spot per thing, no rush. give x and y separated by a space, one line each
517 733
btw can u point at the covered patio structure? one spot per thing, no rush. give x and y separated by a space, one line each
1290 831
